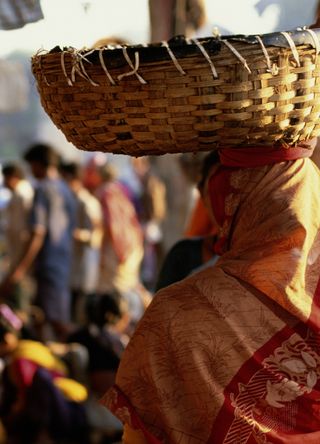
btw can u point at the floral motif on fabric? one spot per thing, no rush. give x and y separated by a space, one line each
238 178
281 397
113 401
231 204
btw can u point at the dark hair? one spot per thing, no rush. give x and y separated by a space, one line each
71 170
12 170
105 308
43 154
210 159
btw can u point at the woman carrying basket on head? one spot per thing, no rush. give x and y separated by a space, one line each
232 353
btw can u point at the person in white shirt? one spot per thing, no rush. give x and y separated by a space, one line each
87 237
17 228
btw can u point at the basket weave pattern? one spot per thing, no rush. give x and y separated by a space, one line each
172 112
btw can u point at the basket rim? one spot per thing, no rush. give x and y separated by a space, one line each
185 47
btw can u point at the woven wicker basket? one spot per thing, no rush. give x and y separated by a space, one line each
185 96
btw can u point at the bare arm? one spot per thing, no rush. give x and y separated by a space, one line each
33 248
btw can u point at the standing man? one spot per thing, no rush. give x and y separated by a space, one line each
17 211
17 229
50 246
87 237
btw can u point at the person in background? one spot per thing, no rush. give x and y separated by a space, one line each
180 196
18 210
39 402
149 197
112 41
87 236
122 244
194 167
17 229
199 223
195 251
49 249
91 178
104 337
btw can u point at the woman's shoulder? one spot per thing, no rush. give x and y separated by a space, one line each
193 283
188 291
204 289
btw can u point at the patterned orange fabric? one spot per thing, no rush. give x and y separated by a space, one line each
232 354
121 225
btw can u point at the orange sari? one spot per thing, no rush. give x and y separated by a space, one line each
232 354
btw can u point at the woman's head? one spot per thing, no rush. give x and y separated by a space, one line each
41 157
270 232
12 175
231 187
108 172
266 201
107 309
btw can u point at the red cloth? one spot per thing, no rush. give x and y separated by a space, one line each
252 157
25 369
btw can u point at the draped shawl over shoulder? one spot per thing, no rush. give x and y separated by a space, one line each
232 354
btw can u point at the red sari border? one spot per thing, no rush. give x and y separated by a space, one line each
117 402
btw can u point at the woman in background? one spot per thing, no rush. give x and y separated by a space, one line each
122 245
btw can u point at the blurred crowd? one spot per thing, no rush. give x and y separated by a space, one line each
79 255
82 253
